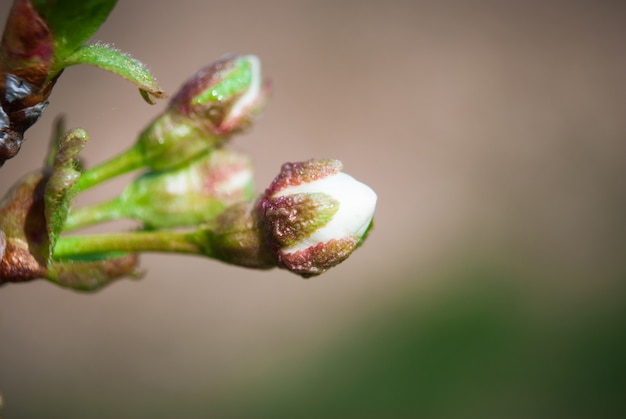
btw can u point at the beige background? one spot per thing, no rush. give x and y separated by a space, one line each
490 131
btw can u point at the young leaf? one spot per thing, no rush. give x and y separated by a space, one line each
59 189
118 62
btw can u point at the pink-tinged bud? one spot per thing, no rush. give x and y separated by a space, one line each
217 101
311 218
225 95
187 196
190 195
316 215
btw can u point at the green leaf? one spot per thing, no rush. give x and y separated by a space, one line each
120 63
73 22
59 189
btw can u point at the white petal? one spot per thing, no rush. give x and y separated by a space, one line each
357 203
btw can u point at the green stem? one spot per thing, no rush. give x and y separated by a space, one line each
129 160
94 214
137 241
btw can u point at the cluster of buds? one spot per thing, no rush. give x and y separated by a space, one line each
194 196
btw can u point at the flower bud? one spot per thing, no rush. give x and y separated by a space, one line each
217 101
187 196
224 95
316 215
192 194
311 218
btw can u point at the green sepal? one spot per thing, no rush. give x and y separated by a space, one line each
174 140
91 275
293 218
72 22
59 192
117 62
367 232
238 80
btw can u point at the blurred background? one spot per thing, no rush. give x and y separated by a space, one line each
494 133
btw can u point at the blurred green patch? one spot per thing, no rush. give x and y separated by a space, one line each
484 346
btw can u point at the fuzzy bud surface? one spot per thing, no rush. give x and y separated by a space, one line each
316 215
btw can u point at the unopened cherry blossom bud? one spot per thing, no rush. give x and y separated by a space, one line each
225 95
187 196
311 218
217 101
316 215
